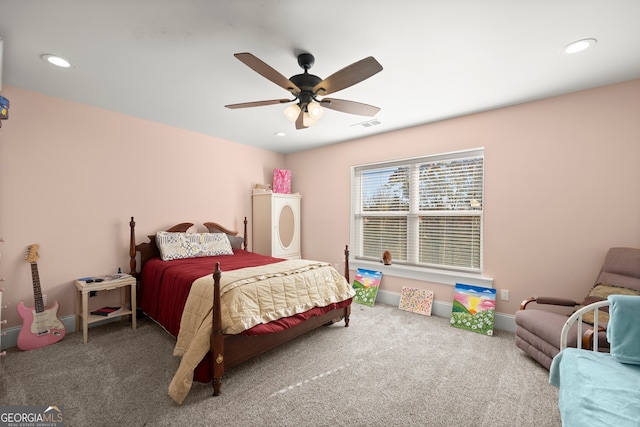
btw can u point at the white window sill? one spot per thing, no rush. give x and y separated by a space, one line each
425 274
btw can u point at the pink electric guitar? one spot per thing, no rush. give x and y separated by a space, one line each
40 326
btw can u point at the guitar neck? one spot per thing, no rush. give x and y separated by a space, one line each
37 291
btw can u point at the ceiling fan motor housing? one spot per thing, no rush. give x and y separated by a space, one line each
306 61
306 82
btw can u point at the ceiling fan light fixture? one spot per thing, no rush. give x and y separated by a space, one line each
307 120
292 112
315 110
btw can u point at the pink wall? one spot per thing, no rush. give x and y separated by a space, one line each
71 176
562 185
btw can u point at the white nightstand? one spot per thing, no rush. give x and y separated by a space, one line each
82 301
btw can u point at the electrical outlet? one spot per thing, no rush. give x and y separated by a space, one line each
44 300
504 294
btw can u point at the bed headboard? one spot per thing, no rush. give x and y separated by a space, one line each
236 241
150 250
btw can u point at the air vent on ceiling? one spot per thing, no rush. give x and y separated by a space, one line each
368 123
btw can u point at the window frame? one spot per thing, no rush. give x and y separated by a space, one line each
445 275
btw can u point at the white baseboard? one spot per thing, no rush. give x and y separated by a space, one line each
504 322
11 338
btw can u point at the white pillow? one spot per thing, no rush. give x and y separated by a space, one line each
192 245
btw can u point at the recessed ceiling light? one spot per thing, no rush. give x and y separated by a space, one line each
56 60
579 46
280 134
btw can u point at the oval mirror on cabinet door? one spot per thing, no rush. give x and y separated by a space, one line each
286 227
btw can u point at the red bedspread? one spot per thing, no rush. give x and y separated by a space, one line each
165 285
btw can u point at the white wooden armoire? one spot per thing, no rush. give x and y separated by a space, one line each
276 225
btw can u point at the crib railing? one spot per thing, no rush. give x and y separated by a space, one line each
577 317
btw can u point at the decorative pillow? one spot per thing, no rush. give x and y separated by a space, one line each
623 328
601 292
192 245
236 241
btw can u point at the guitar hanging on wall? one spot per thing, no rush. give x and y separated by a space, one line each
40 326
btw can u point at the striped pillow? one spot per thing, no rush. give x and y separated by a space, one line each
192 245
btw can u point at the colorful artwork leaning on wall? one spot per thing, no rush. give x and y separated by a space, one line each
416 300
366 284
473 308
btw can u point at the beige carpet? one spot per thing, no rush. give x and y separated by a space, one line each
389 368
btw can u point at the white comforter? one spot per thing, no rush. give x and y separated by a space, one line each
251 296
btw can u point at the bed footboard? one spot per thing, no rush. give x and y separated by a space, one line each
230 350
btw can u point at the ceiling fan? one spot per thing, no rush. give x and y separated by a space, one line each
309 90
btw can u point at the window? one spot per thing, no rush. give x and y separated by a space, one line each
426 211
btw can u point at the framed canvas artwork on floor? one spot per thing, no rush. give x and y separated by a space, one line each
473 308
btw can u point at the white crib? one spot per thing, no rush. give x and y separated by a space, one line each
577 317
600 388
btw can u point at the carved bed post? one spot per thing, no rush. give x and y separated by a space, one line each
246 239
132 249
217 339
346 263
347 311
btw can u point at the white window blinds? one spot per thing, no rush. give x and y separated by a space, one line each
426 211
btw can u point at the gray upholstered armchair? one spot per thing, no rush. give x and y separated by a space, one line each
538 331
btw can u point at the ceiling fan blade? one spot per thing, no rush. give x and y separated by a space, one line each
348 76
267 71
258 103
350 107
300 121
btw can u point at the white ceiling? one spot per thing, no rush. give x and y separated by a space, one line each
171 61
